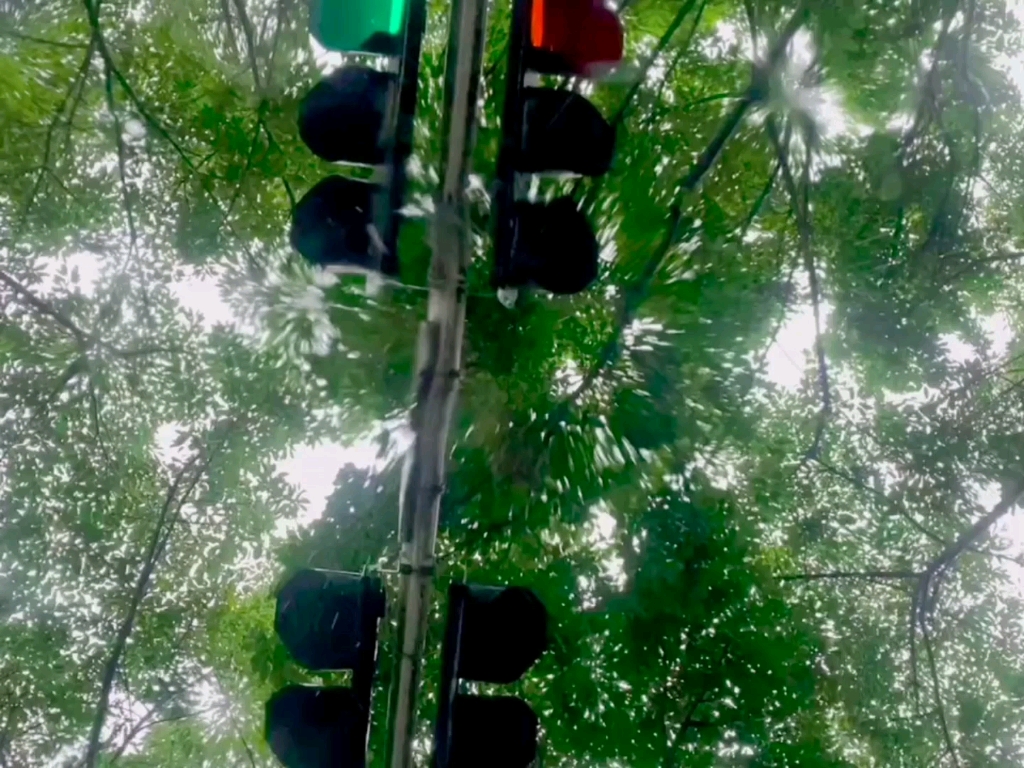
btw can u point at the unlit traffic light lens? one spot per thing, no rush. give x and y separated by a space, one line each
309 727
554 247
341 118
329 225
492 731
562 131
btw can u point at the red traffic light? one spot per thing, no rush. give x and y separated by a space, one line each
581 35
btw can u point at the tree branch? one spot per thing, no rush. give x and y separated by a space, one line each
272 143
250 43
670 70
85 340
225 9
42 40
95 412
688 722
915 682
755 210
143 723
250 155
122 162
155 124
634 296
5 735
83 71
166 519
619 114
272 57
939 707
945 558
849 575
891 503
46 308
800 201
248 750
926 595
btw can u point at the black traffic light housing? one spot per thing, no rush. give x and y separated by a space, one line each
328 621
359 115
492 635
547 130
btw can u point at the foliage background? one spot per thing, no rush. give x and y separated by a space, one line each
740 571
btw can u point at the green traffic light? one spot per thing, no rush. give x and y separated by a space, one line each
369 26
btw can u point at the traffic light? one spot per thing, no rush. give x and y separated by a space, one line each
360 115
328 621
492 635
547 130
368 26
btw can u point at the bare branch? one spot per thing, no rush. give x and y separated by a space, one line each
619 114
939 708
85 340
169 512
850 575
95 412
46 308
5 735
83 71
250 43
272 142
146 721
122 161
272 57
635 295
755 210
43 41
144 351
248 750
970 536
926 596
253 145
915 682
894 505
800 201
151 120
225 9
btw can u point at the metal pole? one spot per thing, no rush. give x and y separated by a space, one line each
439 366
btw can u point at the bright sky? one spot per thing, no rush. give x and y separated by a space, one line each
312 467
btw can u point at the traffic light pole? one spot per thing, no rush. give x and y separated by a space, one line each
438 372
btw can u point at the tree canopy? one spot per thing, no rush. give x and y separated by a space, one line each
740 569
